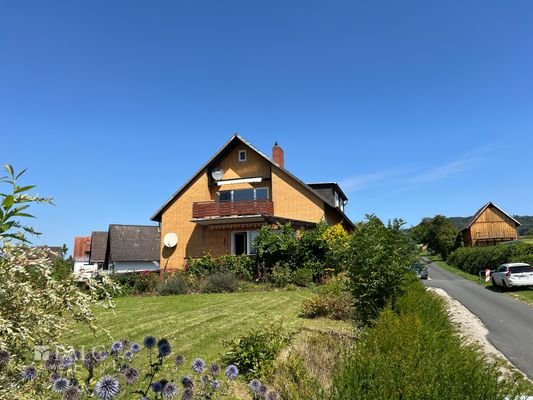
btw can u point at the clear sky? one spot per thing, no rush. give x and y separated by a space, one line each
415 107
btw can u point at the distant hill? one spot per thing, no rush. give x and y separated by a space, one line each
525 229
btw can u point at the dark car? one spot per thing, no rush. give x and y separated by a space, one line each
420 270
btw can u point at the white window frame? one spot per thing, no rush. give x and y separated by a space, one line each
245 156
249 239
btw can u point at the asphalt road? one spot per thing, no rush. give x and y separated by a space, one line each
509 321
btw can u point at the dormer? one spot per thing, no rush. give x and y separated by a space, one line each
332 192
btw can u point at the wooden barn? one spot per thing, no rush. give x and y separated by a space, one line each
490 226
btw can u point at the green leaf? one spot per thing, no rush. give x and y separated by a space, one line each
8 202
20 173
20 189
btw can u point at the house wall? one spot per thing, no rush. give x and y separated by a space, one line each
291 200
492 224
135 266
79 265
177 218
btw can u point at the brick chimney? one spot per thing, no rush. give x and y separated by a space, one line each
277 155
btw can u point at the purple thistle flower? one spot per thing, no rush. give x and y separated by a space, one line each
135 347
54 376
29 373
116 347
187 382
107 387
179 360
164 349
263 390
130 375
72 393
214 369
128 355
4 357
187 394
126 343
255 385
170 390
198 365
149 342
157 387
272 396
91 359
67 362
60 385
215 385
232 372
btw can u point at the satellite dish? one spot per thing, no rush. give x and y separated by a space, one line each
170 239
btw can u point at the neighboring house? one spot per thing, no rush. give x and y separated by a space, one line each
82 249
222 207
98 249
52 252
489 226
132 248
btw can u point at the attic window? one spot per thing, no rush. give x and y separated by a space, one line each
242 155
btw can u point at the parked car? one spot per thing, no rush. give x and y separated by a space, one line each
420 270
513 275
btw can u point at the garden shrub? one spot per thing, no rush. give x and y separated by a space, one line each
379 265
281 275
303 277
275 246
412 351
255 351
474 259
332 300
136 282
242 266
176 283
221 282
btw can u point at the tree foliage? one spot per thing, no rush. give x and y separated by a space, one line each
380 259
35 308
439 234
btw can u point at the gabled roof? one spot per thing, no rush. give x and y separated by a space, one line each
133 243
480 211
234 139
98 247
82 246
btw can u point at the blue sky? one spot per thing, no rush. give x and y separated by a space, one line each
415 107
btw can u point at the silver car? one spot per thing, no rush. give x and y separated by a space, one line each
513 275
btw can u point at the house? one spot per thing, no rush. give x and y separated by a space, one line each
98 249
489 226
82 249
221 208
132 248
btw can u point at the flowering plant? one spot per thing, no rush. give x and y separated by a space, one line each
117 373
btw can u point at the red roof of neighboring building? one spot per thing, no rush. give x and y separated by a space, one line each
82 247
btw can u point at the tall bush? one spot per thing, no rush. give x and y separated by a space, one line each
35 308
379 263
413 352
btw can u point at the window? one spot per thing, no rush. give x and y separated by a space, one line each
242 155
242 242
243 195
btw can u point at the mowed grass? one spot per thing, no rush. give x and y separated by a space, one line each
196 325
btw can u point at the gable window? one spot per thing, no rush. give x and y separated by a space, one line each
243 195
242 242
242 155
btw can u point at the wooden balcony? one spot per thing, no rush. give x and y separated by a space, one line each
212 209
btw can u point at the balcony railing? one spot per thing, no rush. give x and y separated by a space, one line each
209 209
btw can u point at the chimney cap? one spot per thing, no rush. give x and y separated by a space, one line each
276 143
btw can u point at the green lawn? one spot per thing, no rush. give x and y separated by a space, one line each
195 325
523 294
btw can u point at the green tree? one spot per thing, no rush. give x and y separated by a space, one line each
380 259
439 234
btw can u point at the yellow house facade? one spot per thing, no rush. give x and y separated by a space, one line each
221 208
